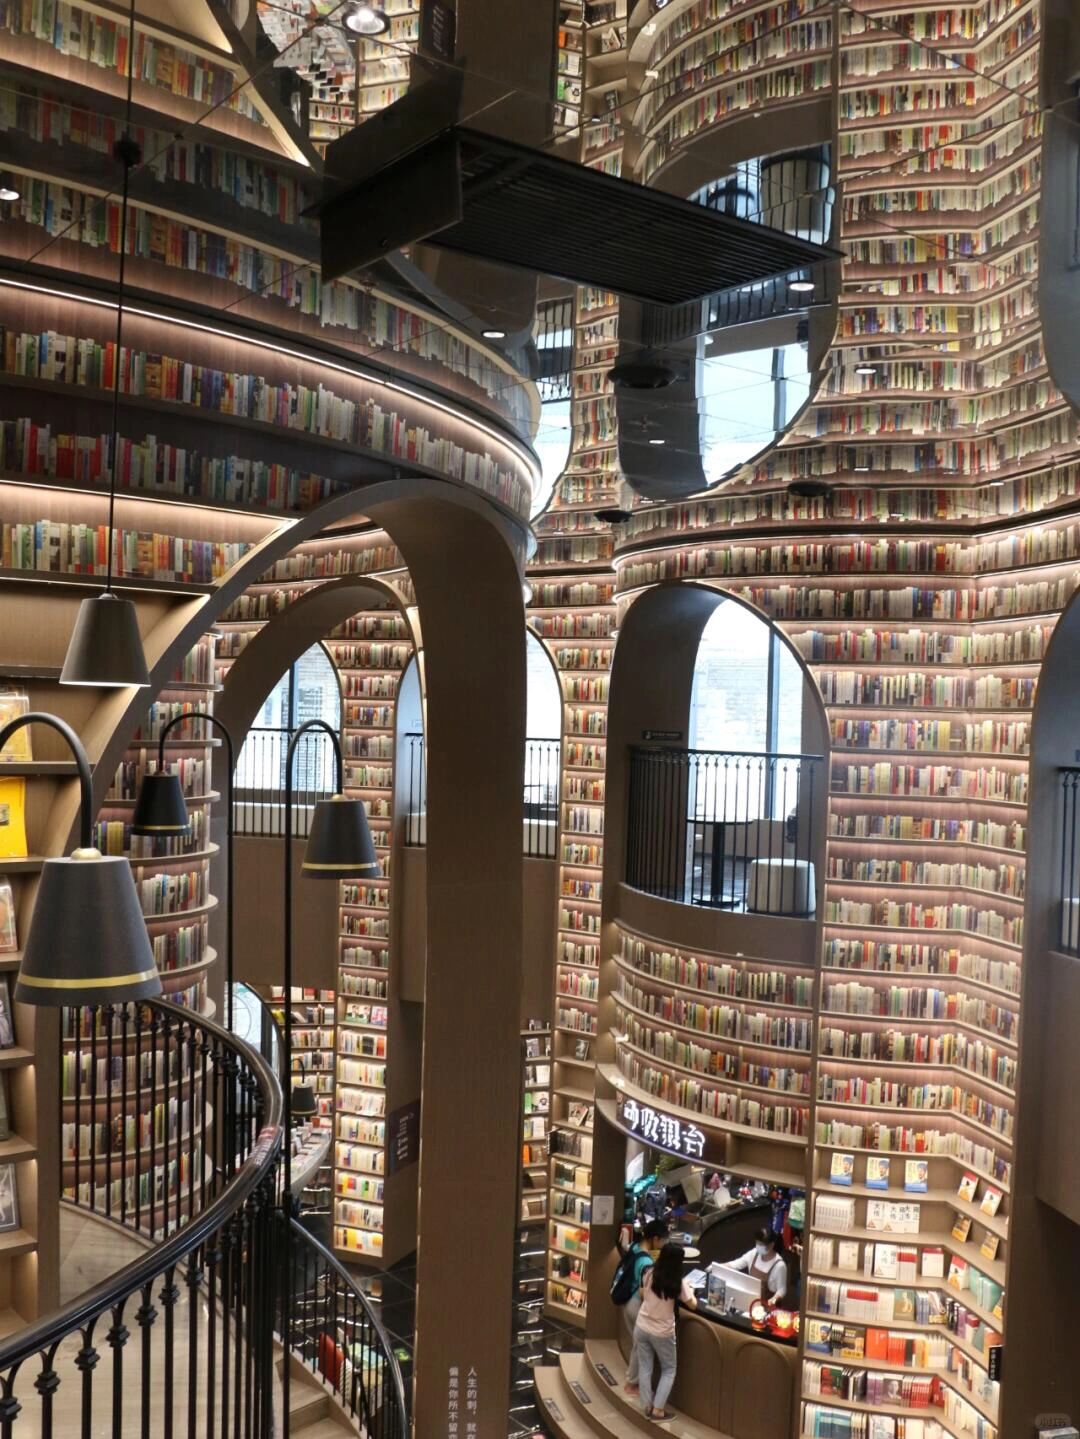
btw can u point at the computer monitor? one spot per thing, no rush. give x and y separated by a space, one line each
741 1289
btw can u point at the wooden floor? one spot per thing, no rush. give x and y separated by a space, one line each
91 1251
583 1396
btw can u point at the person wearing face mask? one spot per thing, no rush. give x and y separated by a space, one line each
766 1262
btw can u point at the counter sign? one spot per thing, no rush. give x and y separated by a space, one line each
662 1130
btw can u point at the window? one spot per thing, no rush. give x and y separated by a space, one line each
307 690
747 693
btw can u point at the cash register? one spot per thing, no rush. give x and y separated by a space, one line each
724 1289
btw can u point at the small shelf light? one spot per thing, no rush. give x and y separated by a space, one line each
861 469
366 20
658 442
865 369
493 334
9 190
801 287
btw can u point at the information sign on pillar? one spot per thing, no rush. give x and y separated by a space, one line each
437 30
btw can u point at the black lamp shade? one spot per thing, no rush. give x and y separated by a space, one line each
105 647
88 942
303 1102
160 807
339 845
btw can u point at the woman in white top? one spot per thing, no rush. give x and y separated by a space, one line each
766 1262
654 1333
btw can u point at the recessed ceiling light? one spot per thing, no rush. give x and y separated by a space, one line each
366 20
493 334
8 190
657 442
997 484
861 469
866 369
800 287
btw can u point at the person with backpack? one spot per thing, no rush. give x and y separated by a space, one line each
626 1285
654 1333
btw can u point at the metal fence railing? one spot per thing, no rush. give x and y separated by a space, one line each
540 813
733 831
259 781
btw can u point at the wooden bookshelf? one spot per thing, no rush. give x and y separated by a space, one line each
535 1118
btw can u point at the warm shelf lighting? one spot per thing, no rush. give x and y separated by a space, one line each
367 21
801 287
657 442
493 334
9 190
866 369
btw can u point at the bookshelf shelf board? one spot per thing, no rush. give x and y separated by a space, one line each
143 861
29 672
181 914
189 799
577 1316
14 1057
565 1091
27 864
571 1253
706 1121
18 1241
17 1149
183 589
994 1268
830 1401
996 1223
38 768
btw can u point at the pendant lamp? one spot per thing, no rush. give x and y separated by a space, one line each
160 808
303 1102
87 942
106 649
339 843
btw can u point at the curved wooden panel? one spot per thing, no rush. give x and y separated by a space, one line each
762 1389
701 1381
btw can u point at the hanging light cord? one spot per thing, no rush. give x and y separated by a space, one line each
128 153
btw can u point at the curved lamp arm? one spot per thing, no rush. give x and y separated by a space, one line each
305 728
75 744
194 718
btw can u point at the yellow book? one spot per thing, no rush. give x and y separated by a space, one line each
13 819
18 748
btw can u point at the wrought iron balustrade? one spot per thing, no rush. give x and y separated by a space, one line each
729 830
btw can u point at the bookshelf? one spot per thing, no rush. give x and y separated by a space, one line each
314 1013
370 651
535 1119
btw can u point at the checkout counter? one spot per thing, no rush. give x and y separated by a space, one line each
733 1374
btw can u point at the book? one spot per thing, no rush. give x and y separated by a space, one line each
847 1255
989 1247
991 1200
7 1028
916 1175
961 1227
877 1172
842 1169
968 1185
885 1261
13 819
933 1263
18 749
958 1273
903 1305
9 939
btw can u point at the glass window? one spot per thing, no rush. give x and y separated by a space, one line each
544 712
307 690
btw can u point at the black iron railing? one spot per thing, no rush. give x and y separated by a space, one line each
177 1342
1070 859
177 1139
540 815
733 831
259 782
334 1331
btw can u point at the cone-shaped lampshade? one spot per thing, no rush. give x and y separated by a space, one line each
105 647
160 807
303 1102
87 942
339 845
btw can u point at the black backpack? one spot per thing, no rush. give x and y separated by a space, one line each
624 1283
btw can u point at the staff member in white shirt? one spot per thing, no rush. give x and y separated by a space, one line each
766 1262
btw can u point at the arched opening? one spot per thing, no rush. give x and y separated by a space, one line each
308 689
722 810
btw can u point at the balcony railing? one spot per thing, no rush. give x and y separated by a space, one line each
728 830
540 797
259 782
